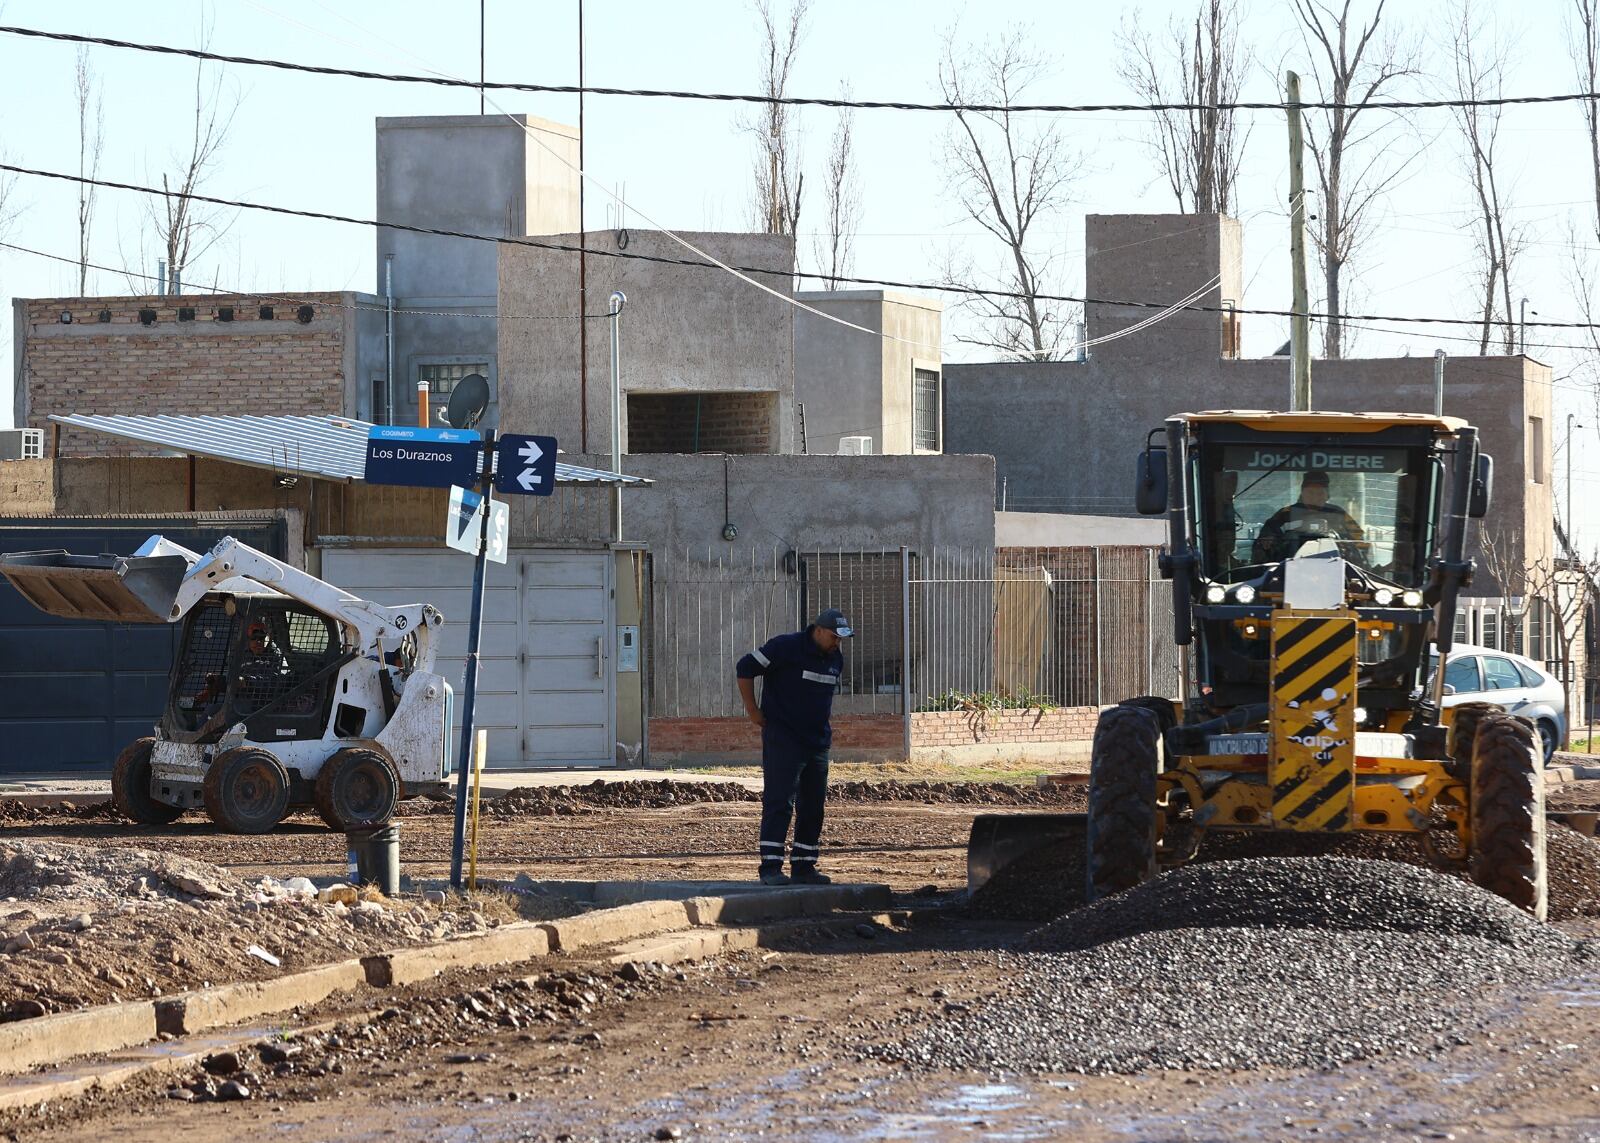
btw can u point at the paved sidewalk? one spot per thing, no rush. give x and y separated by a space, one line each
44 789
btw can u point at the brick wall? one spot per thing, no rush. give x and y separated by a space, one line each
700 422
968 728
720 736
107 361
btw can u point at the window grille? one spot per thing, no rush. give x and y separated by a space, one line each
925 409
442 379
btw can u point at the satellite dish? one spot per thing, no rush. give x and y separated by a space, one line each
468 400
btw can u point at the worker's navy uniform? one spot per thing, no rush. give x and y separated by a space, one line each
799 681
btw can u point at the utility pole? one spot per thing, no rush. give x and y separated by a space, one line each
1438 382
1300 323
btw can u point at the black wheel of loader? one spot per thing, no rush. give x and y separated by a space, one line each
1507 814
246 790
1164 709
1464 723
1122 801
130 787
357 788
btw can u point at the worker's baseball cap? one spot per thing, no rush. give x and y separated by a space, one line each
1315 476
835 621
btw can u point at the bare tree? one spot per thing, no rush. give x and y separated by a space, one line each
91 136
779 180
1479 61
1199 150
184 230
1009 172
1584 43
842 194
1553 592
1352 67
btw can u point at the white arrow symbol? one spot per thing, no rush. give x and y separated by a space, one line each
531 452
528 478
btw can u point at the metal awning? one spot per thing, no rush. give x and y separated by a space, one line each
333 448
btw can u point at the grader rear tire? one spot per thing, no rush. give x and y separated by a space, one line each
1464 723
246 790
357 788
1507 814
1122 801
130 786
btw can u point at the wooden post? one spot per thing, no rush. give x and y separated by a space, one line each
1300 323
191 488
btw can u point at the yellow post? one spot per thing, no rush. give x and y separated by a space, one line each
480 748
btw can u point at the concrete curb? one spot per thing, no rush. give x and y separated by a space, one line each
46 1040
27 1044
1571 772
675 948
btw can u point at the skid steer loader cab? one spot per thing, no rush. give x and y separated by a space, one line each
1316 560
285 691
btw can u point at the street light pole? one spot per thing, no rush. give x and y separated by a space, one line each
617 301
1571 545
1522 328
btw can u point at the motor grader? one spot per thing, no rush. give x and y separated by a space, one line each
1316 561
285 690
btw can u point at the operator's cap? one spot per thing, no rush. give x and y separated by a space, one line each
834 621
1315 476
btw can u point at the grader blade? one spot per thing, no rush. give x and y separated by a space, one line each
122 589
999 839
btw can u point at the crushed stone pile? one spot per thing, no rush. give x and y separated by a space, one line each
1050 881
83 925
1300 963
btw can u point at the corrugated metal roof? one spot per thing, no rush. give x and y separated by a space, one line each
334 448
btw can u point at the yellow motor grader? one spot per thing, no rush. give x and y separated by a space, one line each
1316 560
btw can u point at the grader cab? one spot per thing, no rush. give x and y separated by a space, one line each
1315 560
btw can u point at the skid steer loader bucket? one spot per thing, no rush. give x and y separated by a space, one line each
122 589
999 839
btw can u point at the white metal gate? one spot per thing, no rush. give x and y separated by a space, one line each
545 668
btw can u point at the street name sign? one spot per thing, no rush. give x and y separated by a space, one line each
422 458
525 466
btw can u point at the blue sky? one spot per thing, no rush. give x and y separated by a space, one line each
307 141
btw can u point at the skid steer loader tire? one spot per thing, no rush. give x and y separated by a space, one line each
1464 723
1122 801
357 788
246 790
1163 708
130 787
1507 814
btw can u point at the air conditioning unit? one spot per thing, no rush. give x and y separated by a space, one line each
22 444
855 446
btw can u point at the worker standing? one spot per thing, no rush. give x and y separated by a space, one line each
801 673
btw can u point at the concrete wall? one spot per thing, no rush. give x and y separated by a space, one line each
853 383
1055 530
685 329
106 361
479 175
1064 434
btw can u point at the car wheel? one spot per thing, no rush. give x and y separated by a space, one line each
1548 738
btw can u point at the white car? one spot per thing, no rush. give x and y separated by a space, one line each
1516 683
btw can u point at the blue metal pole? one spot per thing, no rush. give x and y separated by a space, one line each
464 758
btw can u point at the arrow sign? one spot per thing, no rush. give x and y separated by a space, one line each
526 466
463 523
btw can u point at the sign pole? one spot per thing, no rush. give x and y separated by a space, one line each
475 633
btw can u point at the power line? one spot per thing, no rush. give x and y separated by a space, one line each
775 272
792 100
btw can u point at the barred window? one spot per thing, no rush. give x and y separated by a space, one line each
441 380
925 409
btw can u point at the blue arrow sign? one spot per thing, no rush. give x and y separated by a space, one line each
525 466
423 458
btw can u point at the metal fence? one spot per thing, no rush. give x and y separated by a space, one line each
1071 626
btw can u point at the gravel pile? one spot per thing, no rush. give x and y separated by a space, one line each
1308 962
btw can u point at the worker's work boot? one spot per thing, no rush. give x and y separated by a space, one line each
808 875
774 877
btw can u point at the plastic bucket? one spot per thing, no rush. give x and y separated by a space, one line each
375 858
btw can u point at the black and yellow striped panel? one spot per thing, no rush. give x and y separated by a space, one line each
1313 759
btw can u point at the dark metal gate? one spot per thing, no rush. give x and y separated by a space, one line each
73 694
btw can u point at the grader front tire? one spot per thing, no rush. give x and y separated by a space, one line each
1507 814
1122 801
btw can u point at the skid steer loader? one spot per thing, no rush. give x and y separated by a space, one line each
1315 560
285 690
